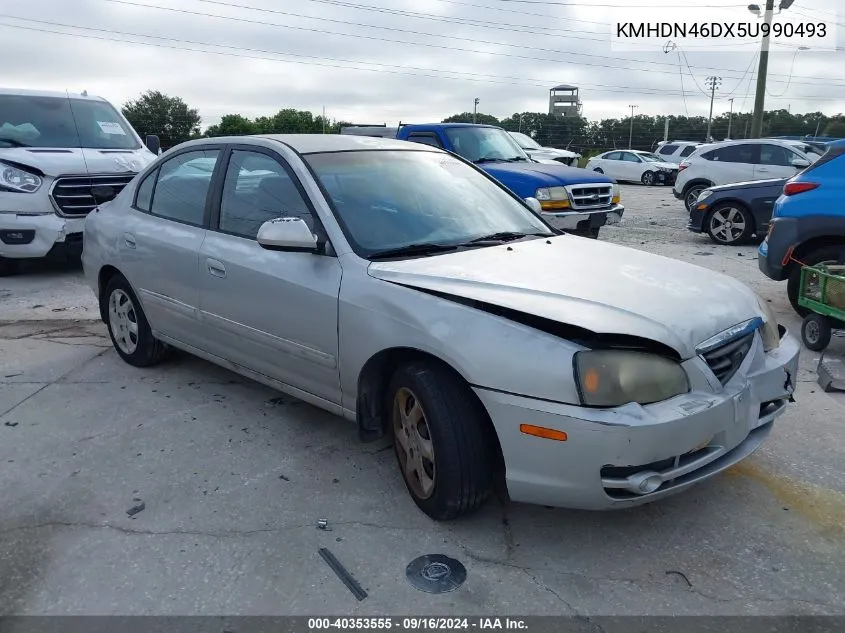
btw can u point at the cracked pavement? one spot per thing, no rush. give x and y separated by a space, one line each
234 478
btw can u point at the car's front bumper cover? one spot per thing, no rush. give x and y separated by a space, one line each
573 220
682 441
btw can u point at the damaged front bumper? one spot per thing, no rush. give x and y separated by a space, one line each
634 454
584 220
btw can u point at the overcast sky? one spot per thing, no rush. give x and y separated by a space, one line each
439 56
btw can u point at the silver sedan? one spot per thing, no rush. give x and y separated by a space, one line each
402 288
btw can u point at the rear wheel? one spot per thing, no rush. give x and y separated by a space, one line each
832 254
729 224
815 332
441 439
128 327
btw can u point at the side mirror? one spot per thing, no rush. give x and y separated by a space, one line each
534 204
800 162
153 144
287 234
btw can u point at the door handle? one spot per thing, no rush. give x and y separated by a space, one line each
762 169
129 240
216 268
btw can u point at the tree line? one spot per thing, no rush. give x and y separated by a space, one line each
174 121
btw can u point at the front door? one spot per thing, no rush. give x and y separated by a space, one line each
775 162
270 311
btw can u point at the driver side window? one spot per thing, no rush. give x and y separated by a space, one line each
258 188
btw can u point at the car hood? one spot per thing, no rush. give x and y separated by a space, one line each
74 161
751 184
543 174
552 152
601 287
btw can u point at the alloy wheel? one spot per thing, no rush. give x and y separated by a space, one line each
727 224
123 321
413 443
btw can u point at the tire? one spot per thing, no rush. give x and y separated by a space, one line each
691 194
729 224
8 266
598 170
128 327
452 429
815 332
831 254
647 178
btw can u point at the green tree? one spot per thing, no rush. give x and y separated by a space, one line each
232 125
168 117
835 127
466 117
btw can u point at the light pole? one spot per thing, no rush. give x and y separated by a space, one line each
763 68
712 83
730 117
475 108
631 131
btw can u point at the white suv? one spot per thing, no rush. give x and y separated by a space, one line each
736 161
676 151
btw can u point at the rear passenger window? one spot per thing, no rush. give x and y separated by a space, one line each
182 186
257 189
425 139
144 194
733 154
667 150
613 156
687 151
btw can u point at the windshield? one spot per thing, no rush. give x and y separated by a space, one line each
29 121
525 141
386 200
480 144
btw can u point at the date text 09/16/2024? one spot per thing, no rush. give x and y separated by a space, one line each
417 624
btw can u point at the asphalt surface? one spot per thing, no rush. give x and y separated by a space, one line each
233 477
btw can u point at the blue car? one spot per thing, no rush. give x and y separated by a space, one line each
808 223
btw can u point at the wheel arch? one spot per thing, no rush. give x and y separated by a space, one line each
810 245
696 181
104 277
373 382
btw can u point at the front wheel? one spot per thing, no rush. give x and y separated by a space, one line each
647 178
441 439
128 327
691 195
729 224
815 332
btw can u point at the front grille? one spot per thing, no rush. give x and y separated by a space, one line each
590 196
79 195
725 360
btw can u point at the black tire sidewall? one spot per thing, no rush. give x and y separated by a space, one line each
8 267
461 481
746 216
689 190
147 350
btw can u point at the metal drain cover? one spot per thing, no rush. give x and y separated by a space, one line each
436 573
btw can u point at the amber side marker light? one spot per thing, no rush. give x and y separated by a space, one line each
543 432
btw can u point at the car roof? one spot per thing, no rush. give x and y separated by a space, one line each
19 92
321 143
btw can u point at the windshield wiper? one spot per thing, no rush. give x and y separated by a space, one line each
487 159
422 248
516 159
13 142
506 236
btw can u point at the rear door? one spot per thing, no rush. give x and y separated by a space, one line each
631 166
273 312
731 163
610 164
162 238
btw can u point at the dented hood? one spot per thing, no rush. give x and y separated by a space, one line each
602 287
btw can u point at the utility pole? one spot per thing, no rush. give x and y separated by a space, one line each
818 123
730 117
520 123
763 68
631 131
712 83
324 119
475 108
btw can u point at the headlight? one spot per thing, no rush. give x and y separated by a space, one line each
704 195
769 331
611 378
551 193
18 179
617 195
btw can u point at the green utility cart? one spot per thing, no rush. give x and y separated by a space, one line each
822 292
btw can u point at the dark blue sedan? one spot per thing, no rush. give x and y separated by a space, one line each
734 213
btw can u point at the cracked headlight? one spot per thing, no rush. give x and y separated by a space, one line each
769 331
18 180
611 378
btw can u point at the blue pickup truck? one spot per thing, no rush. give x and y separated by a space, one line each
574 200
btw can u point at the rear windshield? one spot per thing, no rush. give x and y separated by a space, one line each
29 121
